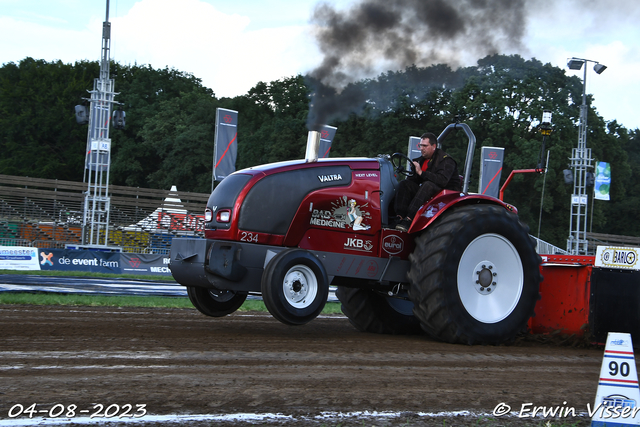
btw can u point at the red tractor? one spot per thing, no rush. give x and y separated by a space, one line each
466 271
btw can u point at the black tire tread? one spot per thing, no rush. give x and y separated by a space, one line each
205 304
271 285
428 273
369 312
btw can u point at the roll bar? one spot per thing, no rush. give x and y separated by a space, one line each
470 150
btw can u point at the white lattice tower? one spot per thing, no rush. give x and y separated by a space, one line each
97 202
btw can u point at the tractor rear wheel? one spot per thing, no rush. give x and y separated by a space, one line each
370 311
215 303
475 276
295 287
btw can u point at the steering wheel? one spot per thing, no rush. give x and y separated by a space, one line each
398 167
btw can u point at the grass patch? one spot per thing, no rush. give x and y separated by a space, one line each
155 278
48 298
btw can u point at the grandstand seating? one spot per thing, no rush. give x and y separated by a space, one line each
9 230
161 240
48 213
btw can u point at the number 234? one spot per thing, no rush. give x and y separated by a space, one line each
248 237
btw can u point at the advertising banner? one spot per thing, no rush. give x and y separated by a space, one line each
103 262
490 170
18 258
327 133
147 264
225 144
602 182
26 258
80 260
180 221
618 257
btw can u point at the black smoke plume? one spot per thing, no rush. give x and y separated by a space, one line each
379 35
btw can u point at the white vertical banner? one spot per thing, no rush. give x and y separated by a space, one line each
491 170
414 151
225 144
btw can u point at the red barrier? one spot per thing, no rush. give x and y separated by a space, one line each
564 302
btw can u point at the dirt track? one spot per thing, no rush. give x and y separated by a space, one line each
181 362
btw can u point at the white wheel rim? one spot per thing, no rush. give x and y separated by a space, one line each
221 296
490 278
300 286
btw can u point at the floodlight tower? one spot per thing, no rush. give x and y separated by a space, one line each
581 160
95 224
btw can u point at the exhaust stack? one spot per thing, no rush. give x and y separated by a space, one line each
313 146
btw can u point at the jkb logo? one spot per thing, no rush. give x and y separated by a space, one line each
358 244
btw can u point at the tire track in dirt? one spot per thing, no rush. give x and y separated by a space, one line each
178 361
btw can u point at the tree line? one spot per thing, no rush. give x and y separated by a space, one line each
168 138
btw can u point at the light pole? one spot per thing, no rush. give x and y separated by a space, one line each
545 130
580 160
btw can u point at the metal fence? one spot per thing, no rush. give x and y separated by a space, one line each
14 242
544 248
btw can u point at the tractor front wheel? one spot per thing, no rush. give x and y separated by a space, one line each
295 287
215 303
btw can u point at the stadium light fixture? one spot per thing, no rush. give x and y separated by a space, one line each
599 68
575 64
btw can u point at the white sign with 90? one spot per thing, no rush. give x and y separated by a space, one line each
618 397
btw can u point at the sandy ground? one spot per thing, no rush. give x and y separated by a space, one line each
178 361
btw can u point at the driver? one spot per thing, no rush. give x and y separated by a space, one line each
435 170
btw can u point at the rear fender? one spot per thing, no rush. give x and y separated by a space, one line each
445 201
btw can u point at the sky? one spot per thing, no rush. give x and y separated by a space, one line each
232 45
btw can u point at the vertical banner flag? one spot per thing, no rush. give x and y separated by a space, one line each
414 150
603 181
226 143
490 170
327 133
